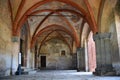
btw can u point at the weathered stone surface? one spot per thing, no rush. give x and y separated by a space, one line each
116 43
91 53
104 55
80 59
76 26
54 58
8 63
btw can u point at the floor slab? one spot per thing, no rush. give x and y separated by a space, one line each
60 75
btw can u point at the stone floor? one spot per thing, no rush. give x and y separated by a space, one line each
60 75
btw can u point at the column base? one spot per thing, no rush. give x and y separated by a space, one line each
18 72
116 66
78 70
104 71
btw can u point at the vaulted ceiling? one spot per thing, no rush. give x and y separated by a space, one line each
63 19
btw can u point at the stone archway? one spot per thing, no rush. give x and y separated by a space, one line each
24 45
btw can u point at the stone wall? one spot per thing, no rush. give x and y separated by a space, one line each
8 49
59 62
54 57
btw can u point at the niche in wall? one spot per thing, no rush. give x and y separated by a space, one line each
63 53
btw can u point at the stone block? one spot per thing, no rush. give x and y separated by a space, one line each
117 68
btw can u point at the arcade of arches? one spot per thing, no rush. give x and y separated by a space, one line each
82 35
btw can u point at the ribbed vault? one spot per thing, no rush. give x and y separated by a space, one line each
39 14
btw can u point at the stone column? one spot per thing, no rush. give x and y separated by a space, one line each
116 41
14 58
32 58
86 56
80 59
103 53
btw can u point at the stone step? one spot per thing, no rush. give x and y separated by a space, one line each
28 70
32 72
25 69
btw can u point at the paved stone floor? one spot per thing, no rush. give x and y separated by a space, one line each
60 75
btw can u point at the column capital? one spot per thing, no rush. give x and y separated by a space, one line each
80 48
101 36
15 39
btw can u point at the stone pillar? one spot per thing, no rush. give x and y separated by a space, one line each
74 57
80 59
103 53
116 41
32 58
14 58
86 56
